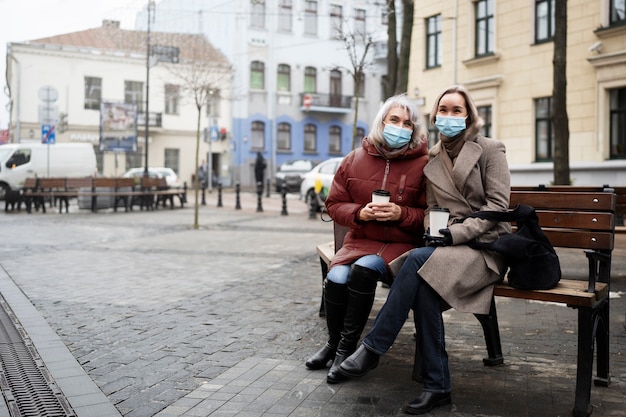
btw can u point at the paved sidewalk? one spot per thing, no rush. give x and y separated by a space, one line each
138 314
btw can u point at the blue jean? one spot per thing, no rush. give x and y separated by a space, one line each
410 291
340 274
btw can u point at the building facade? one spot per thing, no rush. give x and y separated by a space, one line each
64 80
294 94
503 51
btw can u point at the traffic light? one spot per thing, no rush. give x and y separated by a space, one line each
62 127
223 133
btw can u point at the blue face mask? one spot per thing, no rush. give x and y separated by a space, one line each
396 137
450 126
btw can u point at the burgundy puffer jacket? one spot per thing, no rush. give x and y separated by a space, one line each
361 172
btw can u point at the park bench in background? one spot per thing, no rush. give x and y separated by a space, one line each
570 219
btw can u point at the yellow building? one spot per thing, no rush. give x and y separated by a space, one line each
502 51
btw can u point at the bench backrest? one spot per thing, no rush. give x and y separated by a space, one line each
104 183
570 219
584 220
125 182
76 183
52 183
30 183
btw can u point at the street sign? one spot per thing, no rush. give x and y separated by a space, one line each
165 53
213 133
307 100
48 134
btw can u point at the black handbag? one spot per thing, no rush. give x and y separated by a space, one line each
531 258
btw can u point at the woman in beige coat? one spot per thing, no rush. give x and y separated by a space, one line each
465 173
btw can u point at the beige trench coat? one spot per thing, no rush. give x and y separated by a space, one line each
464 277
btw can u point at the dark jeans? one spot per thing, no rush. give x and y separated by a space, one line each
410 291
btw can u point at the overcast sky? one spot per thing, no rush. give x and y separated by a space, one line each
24 20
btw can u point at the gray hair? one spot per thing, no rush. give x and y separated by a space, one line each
400 100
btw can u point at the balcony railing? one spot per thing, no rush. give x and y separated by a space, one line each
154 119
326 103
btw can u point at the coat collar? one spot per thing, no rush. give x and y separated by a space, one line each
465 163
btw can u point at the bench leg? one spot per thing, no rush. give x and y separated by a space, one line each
584 367
602 345
491 331
322 312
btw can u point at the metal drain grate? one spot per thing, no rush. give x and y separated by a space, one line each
26 384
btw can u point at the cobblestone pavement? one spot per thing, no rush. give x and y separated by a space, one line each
166 320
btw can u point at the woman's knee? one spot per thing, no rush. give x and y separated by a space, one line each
339 274
375 262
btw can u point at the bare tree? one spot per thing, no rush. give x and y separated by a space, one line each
398 62
357 46
202 72
560 120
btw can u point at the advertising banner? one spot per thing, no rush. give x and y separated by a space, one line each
118 127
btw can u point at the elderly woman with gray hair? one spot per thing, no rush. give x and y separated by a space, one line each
391 158
466 172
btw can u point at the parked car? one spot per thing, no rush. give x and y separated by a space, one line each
157 172
291 172
323 175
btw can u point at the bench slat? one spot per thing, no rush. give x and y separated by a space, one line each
552 200
570 292
576 220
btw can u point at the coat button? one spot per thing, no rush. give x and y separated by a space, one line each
399 198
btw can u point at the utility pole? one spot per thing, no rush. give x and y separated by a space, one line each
147 111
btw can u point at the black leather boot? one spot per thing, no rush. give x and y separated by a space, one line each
335 302
361 292
359 363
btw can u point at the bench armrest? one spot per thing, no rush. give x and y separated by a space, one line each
597 265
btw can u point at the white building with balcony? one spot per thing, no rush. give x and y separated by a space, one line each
63 80
293 91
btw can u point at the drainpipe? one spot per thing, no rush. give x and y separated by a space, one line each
15 103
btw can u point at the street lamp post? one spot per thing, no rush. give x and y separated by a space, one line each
146 114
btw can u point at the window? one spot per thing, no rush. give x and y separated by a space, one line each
133 94
283 78
310 17
544 20
257 140
485 27
335 88
358 137
384 15
93 93
257 75
334 139
284 15
618 123
336 20
283 141
257 14
310 138
310 80
213 103
618 12
433 132
171 159
171 98
433 41
485 113
544 135
359 23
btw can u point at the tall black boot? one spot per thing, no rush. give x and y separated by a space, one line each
335 301
361 292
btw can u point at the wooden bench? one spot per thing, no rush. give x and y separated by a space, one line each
570 219
123 191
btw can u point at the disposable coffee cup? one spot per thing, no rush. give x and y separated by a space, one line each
380 196
438 220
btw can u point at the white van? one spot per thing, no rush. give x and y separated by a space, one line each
19 161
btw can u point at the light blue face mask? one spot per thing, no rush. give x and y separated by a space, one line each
450 126
396 137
